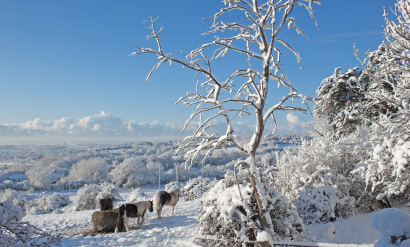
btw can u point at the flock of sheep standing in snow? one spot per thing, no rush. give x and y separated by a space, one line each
116 220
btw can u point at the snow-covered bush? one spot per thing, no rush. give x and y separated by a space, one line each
12 195
394 227
91 170
228 213
88 196
137 195
168 176
196 187
386 171
40 177
132 172
108 190
172 186
324 197
317 179
15 232
321 204
47 204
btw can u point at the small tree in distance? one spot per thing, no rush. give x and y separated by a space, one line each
245 91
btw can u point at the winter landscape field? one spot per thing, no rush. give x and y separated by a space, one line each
251 160
53 199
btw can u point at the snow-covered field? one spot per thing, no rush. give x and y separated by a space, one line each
180 229
74 226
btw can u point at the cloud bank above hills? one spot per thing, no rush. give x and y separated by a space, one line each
107 128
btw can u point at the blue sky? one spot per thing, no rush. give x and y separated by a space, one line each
66 62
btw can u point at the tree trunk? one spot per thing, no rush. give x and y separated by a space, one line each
261 209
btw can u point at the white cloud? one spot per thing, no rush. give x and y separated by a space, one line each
36 124
295 125
106 128
103 125
293 119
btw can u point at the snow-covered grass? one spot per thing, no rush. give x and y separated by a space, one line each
180 229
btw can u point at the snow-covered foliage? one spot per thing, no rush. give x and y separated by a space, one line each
90 170
133 172
394 227
340 102
137 195
88 196
321 204
368 110
108 190
51 203
316 179
40 177
196 188
12 195
172 186
228 211
386 170
15 232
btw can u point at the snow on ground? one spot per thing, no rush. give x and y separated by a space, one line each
180 229
353 230
177 230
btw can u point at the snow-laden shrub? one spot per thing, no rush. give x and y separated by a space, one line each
229 215
317 178
133 172
14 196
137 195
47 204
40 177
91 170
196 187
88 196
386 171
15 232
297 166
324 197
172 186
394 227
108 190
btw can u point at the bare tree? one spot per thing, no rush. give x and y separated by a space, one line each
245 91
